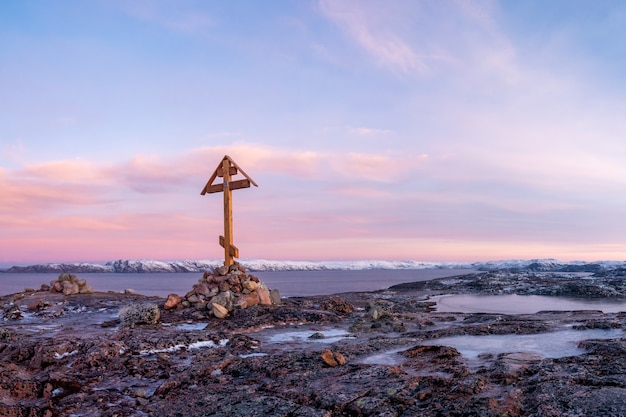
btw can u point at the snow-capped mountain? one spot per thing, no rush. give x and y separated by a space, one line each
152 266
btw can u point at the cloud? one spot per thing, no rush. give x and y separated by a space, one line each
425 39
368 131
364 25
177 16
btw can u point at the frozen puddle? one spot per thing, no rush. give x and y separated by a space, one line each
387 357
329 336
548 345
191 326
523 304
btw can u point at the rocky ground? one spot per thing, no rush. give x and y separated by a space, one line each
353 354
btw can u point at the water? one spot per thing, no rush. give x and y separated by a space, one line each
289 283
550 345
523 304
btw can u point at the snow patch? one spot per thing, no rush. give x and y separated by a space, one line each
64 355
195 345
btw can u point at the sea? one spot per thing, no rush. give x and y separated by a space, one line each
294 283
289 283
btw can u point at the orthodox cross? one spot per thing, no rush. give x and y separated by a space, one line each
226 169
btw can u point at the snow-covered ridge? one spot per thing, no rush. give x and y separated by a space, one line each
151 266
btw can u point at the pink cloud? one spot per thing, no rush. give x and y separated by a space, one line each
310 205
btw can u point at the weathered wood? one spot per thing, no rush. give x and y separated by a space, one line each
242 171
226 169
220 173
210 181
234 251
228 214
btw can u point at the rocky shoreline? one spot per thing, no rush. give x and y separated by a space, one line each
353 354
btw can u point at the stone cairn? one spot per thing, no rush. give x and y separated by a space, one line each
224 290
70 284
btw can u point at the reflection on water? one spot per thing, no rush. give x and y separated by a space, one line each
550 345
326 336
289 283
523 304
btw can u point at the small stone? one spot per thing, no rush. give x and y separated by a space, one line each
329 358
219 311
36 305
339 358
317 335
172 301
222 270
44 287
47 390
129 291
202 289
250 285
333 359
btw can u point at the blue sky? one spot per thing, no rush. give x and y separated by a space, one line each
429 130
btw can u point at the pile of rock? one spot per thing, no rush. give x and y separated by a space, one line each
224 290
69 284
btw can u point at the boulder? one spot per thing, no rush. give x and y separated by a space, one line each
248 300
86 289
70 288
275 297
264 297
135 314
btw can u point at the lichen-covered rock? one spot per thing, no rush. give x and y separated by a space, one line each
337 305
6 335
67 277
136 314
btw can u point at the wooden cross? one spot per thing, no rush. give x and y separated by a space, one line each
226 169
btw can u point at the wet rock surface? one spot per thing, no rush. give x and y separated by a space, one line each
354 354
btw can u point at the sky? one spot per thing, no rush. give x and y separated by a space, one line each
433 130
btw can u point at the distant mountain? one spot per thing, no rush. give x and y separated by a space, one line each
152 266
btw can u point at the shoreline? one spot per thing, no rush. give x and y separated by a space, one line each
360 353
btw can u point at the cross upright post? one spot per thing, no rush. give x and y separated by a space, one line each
228 217
226 169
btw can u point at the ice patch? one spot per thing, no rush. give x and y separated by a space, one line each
330 336
252 355
549 345
195 345
522 304
64 355
191 326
